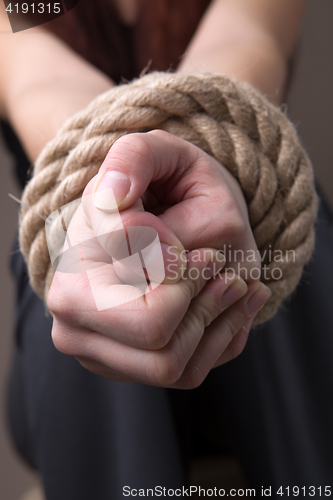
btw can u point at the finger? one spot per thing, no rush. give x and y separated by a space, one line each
235 348
219 335
146 320
163 367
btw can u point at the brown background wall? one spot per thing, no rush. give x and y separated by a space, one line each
310 102
310 106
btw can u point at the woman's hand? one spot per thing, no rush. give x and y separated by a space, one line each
189 191
174 333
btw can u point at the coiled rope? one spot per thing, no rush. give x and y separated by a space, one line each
229 120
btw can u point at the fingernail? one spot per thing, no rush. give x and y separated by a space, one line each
258 299
111 190
233 293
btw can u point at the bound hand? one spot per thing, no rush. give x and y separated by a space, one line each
174 333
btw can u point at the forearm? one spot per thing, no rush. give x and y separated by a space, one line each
249 40
262 66
43 83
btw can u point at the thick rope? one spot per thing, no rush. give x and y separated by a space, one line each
229 120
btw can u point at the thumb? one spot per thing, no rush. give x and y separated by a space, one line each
138 241
135 161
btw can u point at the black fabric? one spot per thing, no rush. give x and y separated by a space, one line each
272 406
22 164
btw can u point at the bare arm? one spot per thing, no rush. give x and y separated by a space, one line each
250 40
43 82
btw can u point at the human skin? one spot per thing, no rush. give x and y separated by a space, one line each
44 83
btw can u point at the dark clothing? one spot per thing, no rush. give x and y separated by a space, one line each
21 162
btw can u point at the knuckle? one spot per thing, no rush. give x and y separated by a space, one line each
159 134
234 323
193 285
63 301
130 144
63 341
56 300
204 313
155 338
234 226
155 332
167 369
193 379
236 349
59 307
52 300
234 222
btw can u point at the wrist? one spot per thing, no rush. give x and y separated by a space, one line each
38 111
